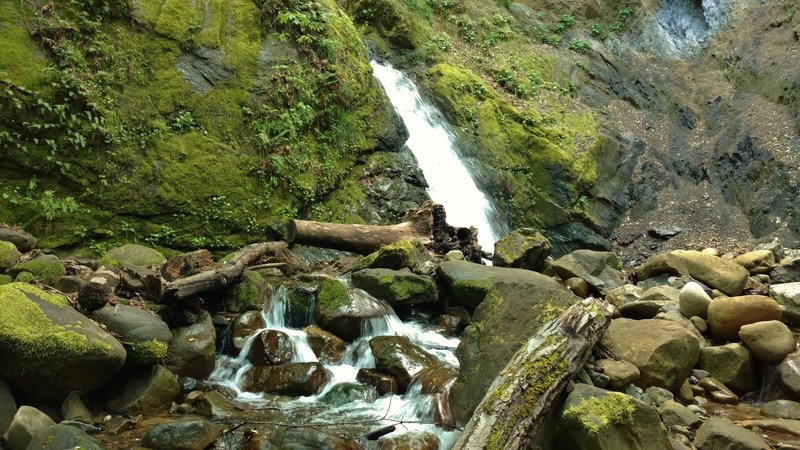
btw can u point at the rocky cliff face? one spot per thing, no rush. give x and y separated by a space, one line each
209 124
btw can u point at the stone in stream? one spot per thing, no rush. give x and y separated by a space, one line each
397 287
303 438
785 426
344 393
770 341
781 409
192 351
397 356
342 311
144 391
732 364
8 406
189 434
789 375
22 240
435 380
673 413
595 419
710 270
271 347
510 315
327 346
467 284
413 440
756 261
788 271
693 300
601 270
383 382
719 433
245 325
524 248
46 268
300 302
62 436
250 293
28 423
146 336
788 296
717 391
727 315
9 255
663 351
133 254
620 373
410 254
287 379
49 349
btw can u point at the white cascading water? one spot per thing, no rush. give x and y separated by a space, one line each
450 182
416 411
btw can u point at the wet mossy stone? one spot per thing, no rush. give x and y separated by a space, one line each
248 294
49 349
344 393
189 434
46 268
397 287
9 255
525 248
133 254
24 277
596 419
409 253
145 335
145 391
192 350
343 311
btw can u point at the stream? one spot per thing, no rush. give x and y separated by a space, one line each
451 185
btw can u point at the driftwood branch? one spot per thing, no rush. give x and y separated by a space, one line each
511 415
427 224
216 279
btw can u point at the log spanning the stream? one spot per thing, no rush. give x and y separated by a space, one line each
512 412
427 224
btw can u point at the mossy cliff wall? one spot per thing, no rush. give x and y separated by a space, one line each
182 123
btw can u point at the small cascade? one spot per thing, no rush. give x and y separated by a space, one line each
768 383
415 410
434 146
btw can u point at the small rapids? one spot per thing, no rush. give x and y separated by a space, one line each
412 411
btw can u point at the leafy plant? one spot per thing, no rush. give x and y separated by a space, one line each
579 45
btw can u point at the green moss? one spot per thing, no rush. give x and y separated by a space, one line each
596 413
46 269
25 277
146 352
6 279
332 295
247 294
20 58
406 253
473 292
132 254
9 255
27 335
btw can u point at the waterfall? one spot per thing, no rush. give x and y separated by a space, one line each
434 146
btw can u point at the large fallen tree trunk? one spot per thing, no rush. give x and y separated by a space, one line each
427 224
512 412
216 279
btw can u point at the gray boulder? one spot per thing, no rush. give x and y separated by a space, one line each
788 271
8 406
22 240
595 419
789 375
788 296
145 391
146 336
525 248
770 341
732 364
719 433
601 270
60 437
28 423
192 351
190 434
781 409
663 351
620 373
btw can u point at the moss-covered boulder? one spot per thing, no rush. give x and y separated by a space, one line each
248 294
409 254
49 349
467 284
595 419
511 313
343 311
133 254
524 248
9 255
144 391
46 268
5 279
399 288
145 335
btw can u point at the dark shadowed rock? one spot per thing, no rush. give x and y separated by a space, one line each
342 311
327 346
60 437
397 356
192 351
599 269
245 325
22 240
145 391
190 434
271 347
288 379
28 423
719 433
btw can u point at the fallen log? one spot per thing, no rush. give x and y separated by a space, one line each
512 412
217 279
427 224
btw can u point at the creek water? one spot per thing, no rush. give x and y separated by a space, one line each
411 411
435 147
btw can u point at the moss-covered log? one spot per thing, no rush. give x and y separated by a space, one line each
511 414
